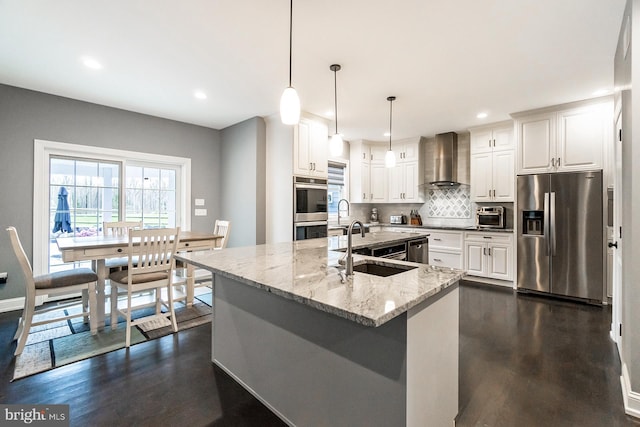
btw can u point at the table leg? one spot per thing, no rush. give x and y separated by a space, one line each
101 271
191 280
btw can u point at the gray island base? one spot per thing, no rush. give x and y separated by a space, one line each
314 349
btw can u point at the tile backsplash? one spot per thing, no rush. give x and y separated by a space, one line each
449 203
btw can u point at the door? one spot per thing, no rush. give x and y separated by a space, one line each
499 261
475 258
537 143
577 244
617 235
533 253
481 175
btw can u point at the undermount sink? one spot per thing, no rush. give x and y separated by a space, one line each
383 270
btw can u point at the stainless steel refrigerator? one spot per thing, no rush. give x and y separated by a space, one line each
560 234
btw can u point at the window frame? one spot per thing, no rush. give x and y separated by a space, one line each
44 149
333 218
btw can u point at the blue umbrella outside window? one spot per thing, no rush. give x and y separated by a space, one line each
62 220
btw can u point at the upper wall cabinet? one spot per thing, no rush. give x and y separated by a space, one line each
492 163
406 177
372 182
497 137
310 146
566 138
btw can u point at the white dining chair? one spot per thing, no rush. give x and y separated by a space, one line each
153 249
57 283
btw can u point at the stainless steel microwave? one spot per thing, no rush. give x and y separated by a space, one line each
490 217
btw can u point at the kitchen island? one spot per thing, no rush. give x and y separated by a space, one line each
319 349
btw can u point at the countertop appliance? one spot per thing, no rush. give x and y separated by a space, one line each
310 216
490 217
560 234
394 251
397 219
418 250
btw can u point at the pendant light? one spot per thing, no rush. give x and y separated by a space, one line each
336 143
290 102
390 157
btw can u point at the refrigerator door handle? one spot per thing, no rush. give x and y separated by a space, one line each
552 229
546 219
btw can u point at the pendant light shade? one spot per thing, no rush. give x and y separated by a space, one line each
290 107
290 102
336 145
390 157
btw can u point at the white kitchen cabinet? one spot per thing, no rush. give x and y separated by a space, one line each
445 248
492 164
489 255
372 182
564 138
495 137
406 177
310 142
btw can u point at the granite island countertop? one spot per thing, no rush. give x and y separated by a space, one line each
308 272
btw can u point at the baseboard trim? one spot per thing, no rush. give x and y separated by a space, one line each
11 304
630 397
490 281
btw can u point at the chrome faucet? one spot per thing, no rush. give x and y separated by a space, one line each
348 213
349 255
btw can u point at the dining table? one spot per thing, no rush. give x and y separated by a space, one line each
99 248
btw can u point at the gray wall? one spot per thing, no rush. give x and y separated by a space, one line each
243 167
27 115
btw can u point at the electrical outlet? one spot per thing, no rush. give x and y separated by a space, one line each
3 278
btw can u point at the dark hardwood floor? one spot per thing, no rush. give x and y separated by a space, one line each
524 361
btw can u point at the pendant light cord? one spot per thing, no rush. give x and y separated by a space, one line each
390 118
290 38
335 86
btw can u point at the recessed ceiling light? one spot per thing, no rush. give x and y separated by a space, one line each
200 94
482 115
387 134
329 114
91 63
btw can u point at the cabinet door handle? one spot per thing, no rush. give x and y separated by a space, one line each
489 250
494 142
437 259
553 162
364 156
489 143
484 251
436 239
558 161
364 196
486 237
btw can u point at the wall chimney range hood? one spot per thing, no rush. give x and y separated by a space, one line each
445 161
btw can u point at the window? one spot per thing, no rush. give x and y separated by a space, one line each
151 196
337 189
103 184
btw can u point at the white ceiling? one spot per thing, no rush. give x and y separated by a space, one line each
445 61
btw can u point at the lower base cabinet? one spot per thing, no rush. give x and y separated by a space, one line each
489 255
445 248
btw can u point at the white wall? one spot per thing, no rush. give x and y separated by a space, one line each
279 180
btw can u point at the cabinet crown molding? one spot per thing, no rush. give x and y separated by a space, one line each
566 106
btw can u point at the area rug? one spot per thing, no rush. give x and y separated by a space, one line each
60 343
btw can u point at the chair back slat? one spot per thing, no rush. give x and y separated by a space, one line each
222 228
119 228
27 271
152 250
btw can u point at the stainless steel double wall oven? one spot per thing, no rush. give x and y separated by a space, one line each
310 215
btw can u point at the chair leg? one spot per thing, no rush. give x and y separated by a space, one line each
85 304
114 306
27 315
20 327
128 333
172 311
93 308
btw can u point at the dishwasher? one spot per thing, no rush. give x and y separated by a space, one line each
418 250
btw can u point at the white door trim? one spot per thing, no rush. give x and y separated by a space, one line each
43 150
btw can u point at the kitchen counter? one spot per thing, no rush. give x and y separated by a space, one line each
446 227
308 272
316 348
